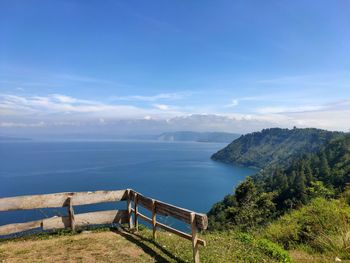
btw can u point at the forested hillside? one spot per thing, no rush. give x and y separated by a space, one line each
274 146
260 199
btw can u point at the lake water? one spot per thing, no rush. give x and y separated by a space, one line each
178 173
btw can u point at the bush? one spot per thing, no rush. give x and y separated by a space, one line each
245 238
285 231
322 224
273 250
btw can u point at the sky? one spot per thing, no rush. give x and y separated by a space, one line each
143 67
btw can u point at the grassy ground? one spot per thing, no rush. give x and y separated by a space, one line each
109 245
123 246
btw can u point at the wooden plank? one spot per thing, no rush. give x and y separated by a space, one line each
154 219
85 219
60 199
181 214
19 227
146 218
179 233
174 211
145 201
92 218
194 238
136 210
71 214
129 210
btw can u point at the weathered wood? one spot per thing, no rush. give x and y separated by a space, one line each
181 214
129 210
146 218
85 219
60 199
194 238
171 210
19 227
154 218
196 220
71 214
145 201
179 233
136 210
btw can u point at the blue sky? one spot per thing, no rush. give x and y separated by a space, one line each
234 66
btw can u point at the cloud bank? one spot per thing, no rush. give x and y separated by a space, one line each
58 113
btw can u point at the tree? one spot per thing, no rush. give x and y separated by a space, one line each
308 172
299 186
325 170
318 189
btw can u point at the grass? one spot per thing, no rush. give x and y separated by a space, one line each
320 227
111 245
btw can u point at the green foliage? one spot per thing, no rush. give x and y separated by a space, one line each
301 194
345 195
274 250
318 189
226 246
266 246
245 238
317 224
273 146
246 209
292 161
312 175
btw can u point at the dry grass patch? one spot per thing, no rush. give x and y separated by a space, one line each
302 256
85 247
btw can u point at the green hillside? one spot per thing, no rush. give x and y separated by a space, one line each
324 173
304 203
273 146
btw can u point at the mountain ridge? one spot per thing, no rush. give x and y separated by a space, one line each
274 146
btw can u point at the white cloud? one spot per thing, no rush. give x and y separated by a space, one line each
60 106
162 107
161 96
63 98
57 110
233 103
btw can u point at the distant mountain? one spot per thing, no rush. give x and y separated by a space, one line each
198 136
274 146
8 138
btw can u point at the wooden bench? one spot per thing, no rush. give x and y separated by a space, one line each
130 215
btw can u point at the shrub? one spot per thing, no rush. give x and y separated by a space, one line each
245 238
322 224
273 250
285 230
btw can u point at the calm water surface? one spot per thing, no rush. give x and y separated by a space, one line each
178 173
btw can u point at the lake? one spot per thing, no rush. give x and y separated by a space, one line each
175 172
